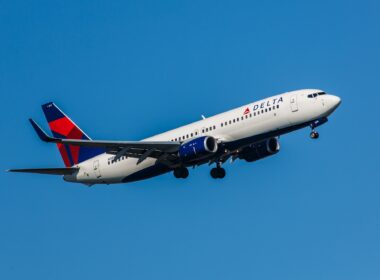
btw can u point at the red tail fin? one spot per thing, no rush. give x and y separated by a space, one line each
63 127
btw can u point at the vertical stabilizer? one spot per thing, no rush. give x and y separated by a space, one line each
63 127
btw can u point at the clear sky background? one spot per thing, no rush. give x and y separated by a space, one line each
130 69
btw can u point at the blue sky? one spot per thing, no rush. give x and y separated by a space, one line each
130 69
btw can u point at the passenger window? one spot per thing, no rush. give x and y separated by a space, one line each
191 134
221 124
266 110
278 106
206 129
225 123
237 119
270 109
262 111
233 120
246 116
214 127
230 121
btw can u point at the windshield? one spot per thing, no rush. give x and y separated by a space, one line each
316 94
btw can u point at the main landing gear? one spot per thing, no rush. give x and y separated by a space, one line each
181 172
218 172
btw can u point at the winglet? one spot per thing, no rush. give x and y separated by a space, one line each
42 134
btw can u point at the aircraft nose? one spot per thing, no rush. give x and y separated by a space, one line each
334 101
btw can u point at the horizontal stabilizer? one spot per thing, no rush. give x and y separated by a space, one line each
49 171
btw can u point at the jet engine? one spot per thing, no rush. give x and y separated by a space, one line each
198 148
260 150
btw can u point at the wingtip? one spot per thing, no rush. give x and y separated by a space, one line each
41 134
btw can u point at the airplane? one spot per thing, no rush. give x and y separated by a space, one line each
250 132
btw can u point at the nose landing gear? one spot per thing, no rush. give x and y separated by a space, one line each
314 134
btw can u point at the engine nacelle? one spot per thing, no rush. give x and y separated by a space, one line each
198 148
260 150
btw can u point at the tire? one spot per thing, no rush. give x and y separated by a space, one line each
222 173
218 173
185 173
181 173
176 173
314 135
214 173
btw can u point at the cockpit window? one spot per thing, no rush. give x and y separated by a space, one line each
316 94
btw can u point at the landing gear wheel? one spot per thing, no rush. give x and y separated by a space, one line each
314 135
218 173
185 173
222 173
214 173
181 172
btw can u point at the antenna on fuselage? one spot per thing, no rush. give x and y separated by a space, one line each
203 117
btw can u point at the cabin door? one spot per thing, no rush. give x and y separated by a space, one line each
293 103
97 169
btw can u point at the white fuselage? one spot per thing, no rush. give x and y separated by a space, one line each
276 113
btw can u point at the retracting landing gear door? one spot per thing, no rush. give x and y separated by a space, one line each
293 103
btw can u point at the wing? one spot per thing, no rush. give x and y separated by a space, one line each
164 151
50 171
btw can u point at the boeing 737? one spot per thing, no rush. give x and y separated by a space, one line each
250 132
